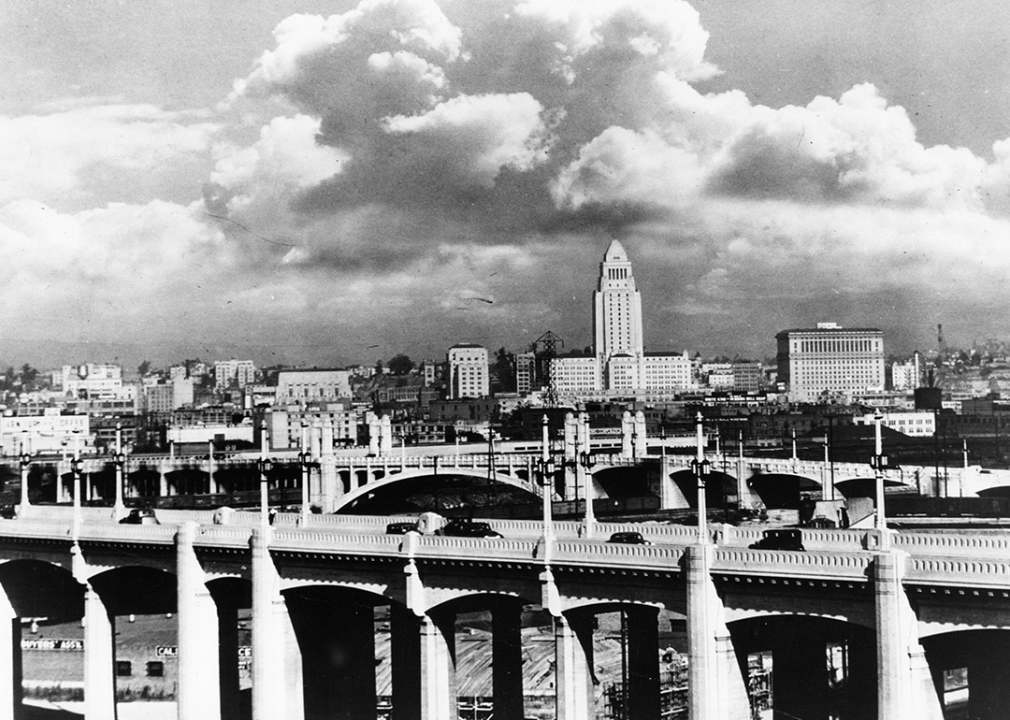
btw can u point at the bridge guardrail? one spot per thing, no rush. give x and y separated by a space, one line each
954 545
590 552
849 566
160 534
958 572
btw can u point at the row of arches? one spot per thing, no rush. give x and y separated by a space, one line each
361 653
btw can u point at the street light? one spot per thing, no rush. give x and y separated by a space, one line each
879 463
265 465
26 461
75 468
120 459
546 469
701 468
587 461
304 460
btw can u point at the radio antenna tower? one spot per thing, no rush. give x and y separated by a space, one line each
545 350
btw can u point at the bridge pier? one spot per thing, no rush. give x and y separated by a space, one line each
717 687
99 658
438 667
199 691
904 684
276 661
573 647
10 661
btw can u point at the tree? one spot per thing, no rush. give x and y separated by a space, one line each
503 371
27 376
144 367
400 365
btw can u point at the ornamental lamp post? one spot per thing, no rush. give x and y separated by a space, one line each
587 461
265 465
304 460
701 468
75 468
546 470
879 463
26 461
120 459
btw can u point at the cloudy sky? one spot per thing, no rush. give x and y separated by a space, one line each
308 182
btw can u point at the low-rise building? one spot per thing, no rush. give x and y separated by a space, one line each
315 385
913 424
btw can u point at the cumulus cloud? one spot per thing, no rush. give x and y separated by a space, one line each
49 156
407 165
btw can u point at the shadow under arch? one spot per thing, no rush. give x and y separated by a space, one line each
719 488
135 590
40 589
819 667
971 672
335 631
782 491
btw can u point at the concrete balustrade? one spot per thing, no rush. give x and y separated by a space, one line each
312 641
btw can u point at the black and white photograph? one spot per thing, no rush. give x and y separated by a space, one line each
504 360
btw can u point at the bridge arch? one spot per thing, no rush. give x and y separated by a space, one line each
719 487
393 478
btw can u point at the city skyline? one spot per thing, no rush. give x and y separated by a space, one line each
325 183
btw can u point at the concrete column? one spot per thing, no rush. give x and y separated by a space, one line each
385 435
331 489
199 690
643 663
627 427
10 661
276 662
573 679
438 668
99 659
717 687
904 685
640 436
670 495
507 661
570 437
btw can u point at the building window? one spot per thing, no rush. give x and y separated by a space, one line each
155 668
124 668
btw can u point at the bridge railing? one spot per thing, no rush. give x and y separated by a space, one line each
959 572
976 544
596 553
849 566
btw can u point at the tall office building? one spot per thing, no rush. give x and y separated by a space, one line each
468 371
830 360
617 308
242 372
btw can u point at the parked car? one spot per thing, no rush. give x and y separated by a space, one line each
629 538
401 528
463 527
140 516
781 539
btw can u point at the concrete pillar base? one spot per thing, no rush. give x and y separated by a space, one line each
99 659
